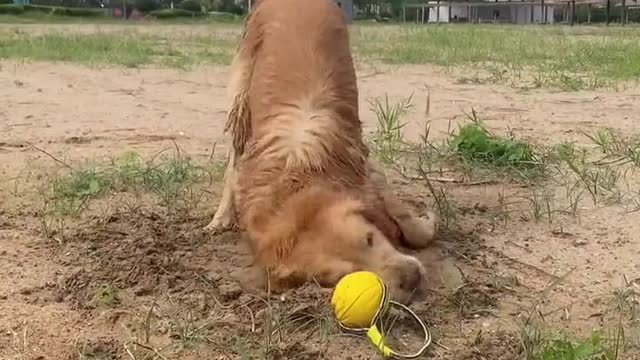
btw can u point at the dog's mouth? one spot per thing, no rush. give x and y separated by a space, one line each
406 281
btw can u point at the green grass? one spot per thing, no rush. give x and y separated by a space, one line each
171 180
129 49
472 148
548 56
108 296
476 146
558 178
42 18
32 16
540 346
388 139
521 56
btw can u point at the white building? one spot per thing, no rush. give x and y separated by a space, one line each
517 12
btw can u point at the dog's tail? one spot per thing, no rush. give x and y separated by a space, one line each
239 116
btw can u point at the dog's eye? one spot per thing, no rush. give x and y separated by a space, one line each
370 239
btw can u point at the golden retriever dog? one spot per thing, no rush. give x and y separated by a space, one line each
299 180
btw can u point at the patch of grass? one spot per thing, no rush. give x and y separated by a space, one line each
541 347
171 179
519 56
579 171
34 16
558 178
388 140
188 329
618 149
173 13
604 343
72 193
130 49
543 204
108 296
532 56
477 147
284 321
13 9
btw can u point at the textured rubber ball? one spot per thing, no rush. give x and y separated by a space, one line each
358 298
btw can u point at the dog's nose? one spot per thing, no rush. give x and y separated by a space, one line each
412 278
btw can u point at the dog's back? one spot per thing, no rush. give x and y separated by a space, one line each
303 95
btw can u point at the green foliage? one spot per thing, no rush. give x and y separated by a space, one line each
228 6
540 347
475 144
599 14
72 193
60 11
618 149
224 17
388 140
190 5
396 7
125 48
146 5
84 12
40 8
108 296
168 179
172 13
11 9
569 59
3 2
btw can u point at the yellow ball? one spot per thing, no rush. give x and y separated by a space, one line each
358 298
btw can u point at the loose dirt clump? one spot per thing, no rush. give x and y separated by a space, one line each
498 346
142 251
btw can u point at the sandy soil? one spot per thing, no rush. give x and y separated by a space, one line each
174 282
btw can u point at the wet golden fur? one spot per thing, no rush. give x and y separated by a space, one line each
313 205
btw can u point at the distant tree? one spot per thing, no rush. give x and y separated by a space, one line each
190 5
146 5
396 7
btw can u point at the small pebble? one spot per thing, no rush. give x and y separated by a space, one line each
579 242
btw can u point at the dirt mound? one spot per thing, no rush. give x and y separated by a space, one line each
145 252
499 346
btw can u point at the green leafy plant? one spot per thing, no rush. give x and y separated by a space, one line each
477 147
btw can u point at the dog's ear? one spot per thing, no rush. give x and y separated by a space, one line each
380 218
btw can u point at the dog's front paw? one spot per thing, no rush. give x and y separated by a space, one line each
220 224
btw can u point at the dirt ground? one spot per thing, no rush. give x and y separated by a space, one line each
177 297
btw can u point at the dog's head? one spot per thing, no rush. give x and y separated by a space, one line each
331 237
